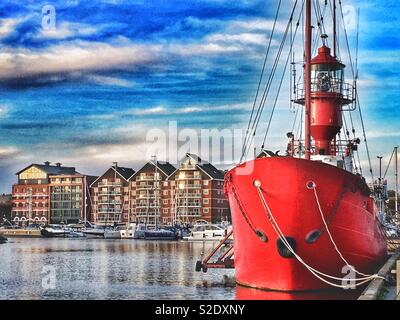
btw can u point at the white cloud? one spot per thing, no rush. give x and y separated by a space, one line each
245 38
150 111
73 56
8 151
109 81
203 49
256 25
3 111
8 25
67 30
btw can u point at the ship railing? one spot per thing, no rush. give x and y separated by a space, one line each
345 91
339 148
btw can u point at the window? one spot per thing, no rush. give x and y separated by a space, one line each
205 201
205 182
165 192
205 191
165 201
205 210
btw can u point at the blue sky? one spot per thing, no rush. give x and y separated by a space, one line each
86 93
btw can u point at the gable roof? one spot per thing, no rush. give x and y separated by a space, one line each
205 166
195 157
211 171
123 172
51 170
165 167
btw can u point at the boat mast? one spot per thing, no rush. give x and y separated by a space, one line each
396 175
334 29
307 78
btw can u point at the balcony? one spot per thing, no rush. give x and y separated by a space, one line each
148 178
189 204
187 176
103 193
188 195
110 184
188 167
105 202
146 187
182 186
189 214
148 206
109 211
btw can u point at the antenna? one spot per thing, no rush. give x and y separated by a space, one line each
307 78
334 29
396 176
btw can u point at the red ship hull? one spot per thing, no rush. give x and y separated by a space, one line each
345 203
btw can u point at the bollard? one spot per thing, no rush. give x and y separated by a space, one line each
398 279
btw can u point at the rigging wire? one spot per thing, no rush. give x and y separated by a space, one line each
390 162
281 82
263 70
250 137
356 92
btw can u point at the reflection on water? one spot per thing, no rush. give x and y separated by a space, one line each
122 269
108 269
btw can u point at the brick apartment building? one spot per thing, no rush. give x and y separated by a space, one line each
48 193
147 188
195 191
110 196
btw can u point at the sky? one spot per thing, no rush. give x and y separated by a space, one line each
90 90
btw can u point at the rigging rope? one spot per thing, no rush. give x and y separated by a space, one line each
262 72
249 138
390 162
333 241
356 92
281 82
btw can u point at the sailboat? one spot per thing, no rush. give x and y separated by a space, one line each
301 220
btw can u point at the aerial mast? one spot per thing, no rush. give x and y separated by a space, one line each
334 30
307 79
396 176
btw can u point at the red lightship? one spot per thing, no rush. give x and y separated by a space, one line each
299 219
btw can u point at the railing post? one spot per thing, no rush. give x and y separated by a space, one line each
398 279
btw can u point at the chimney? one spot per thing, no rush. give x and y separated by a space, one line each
58 164
47 163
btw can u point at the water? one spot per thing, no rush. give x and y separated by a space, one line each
121 269
108 269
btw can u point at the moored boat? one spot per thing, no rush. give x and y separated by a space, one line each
305 220
206 232
161 234
54 231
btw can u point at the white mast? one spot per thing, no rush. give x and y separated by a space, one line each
396 175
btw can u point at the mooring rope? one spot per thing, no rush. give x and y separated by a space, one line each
318 274
333 241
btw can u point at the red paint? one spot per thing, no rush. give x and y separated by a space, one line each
283 180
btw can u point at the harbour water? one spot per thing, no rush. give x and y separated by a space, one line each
107 269
119 269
